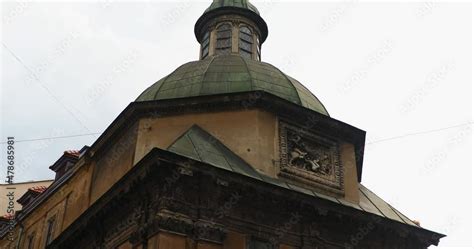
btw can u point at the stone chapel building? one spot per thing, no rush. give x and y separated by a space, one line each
226 152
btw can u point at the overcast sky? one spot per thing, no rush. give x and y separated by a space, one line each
400 71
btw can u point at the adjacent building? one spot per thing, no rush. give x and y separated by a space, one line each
19 189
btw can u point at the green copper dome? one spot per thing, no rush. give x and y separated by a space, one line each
230 74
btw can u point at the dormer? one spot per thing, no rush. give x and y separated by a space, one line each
66 161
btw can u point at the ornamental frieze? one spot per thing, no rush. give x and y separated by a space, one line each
310 158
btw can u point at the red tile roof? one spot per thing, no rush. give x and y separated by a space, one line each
74 153
8 216
38 189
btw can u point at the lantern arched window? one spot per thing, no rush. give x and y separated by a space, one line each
205 46
224 39
245 42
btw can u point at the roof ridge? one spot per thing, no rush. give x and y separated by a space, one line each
165 78
307 90
191 140
400 213
205 72
185 134
248 71
291 83
229 159
371 200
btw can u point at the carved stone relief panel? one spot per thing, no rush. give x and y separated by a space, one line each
310 158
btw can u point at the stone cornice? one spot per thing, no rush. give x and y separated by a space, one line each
157 161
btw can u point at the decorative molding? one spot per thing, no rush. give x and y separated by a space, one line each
310 158
235 20
209 231
126 226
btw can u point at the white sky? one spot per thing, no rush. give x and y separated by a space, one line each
388 68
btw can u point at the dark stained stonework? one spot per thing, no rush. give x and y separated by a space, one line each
206 204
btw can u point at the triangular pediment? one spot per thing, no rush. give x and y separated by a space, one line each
201 146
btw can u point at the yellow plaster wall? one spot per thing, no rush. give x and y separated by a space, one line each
114 163
351 184
79 195
37 223
249 133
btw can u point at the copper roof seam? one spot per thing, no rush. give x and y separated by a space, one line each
194 146
398 213
164 80
232 168
205 73
248 71
312 94
385 203
291 83
373 203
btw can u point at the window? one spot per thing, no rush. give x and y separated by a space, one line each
259 53
224 39
50 230
31 241
205 45
245 42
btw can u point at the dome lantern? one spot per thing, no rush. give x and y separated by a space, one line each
231 27
231 33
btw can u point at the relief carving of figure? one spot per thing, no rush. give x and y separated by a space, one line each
297 156
309 158
314 164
